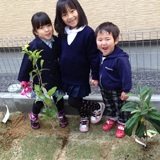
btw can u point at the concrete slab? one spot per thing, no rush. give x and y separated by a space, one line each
17 102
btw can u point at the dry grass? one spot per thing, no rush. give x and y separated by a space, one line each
19 141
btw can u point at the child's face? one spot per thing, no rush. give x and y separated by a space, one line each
106 43
71 17
45 32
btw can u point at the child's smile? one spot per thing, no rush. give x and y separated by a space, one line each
70 18
45 32
105 42
105 48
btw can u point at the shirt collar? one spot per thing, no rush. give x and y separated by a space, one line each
48 42
51 40
75 30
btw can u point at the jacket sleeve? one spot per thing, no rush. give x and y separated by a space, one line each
125 74
25 69
93 56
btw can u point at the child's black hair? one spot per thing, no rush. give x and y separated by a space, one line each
110 28
59 25
39 19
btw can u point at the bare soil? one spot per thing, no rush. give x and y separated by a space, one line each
19 126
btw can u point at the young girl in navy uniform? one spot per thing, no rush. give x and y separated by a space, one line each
79 54
46 41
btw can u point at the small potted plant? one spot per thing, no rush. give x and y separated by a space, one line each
142 110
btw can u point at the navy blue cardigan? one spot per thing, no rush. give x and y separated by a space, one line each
115 71
79 57
50 57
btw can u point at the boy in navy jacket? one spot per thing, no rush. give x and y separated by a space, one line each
114 76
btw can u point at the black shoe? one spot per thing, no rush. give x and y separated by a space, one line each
62 121
34 121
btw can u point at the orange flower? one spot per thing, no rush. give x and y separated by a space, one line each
142 120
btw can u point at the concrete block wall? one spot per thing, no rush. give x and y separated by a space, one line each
17 102
127 14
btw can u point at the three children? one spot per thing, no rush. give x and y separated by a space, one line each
70 71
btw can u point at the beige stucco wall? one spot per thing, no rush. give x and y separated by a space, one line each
127 14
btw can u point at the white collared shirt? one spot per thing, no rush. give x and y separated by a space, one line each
71 34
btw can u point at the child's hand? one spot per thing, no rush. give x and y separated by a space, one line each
94 82
123 97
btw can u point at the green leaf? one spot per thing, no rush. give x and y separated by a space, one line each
139 87
153 109
34 52
53 112
135 111
25 49
35 70
59 97
33 63
30 73
54 118
48 112
133 120
140 129
30 53
48 101
55 108
154 115
36 87
30 57
37 100
51 91
44 69
44 110
132 95
44 118
38 93
129 109
144 103
129 104
137 114
37 54
41 96
144 92
149 97
42 61
144 112
34 76
155 123
128 131
138 106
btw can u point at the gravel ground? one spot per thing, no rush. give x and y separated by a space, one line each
151 79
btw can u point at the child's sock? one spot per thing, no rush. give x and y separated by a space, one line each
61 113
62 119
33 117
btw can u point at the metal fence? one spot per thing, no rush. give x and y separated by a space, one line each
143 47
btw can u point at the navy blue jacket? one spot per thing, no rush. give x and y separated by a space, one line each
79 57
115 71
50 57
